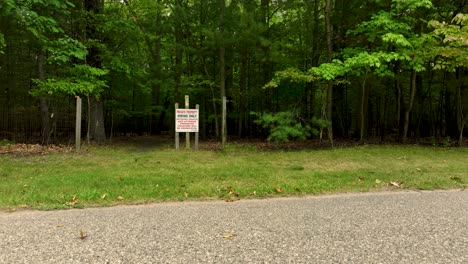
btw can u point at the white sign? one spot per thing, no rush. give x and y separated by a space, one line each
186 120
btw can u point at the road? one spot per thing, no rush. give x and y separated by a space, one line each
388 227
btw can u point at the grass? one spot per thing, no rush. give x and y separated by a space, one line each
114 175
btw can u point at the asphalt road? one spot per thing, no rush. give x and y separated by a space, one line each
391 227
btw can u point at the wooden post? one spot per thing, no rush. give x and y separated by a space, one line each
187 134
176 133
78 125
223 125
197 133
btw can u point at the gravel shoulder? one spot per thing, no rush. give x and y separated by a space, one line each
388 227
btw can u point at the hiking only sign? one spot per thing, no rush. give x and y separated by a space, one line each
186 120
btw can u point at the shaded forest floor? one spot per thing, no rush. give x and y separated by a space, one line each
149 143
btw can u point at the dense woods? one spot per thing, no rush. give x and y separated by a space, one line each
393 70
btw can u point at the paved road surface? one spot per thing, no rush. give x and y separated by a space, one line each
397 227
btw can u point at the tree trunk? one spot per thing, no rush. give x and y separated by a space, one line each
45 121
398 99
97 133
242 89
329 34
96 125
383 128
178 48
461 105
155 126
363 110
222 66
410 106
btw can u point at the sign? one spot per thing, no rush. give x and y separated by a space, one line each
186 120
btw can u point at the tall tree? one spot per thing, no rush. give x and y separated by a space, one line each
329 36
93 9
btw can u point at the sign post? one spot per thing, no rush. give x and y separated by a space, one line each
176 133
187 134
186 120
197 133
78 125
223 124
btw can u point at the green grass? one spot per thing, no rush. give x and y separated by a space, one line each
99 176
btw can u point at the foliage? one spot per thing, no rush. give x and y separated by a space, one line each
290 74
65 49
284 126
452 49
82 80
155 51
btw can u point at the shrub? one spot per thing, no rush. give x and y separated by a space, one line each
284 126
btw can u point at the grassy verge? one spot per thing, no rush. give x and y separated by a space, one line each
112 175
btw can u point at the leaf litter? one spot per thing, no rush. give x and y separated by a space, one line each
33 149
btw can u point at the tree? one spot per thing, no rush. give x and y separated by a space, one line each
452 55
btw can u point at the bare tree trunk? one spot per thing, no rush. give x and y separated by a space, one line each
222 65
329 34
364 98
242 89
97 129
398 98
462 102
410 106
45 121
97 133
178 62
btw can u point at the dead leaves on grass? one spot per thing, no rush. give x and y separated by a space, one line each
74 201
33 149
395 184
232 195
278 189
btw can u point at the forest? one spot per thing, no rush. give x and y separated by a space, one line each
387 70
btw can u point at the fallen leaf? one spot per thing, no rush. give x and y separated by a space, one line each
103 196
73 201
254 193
120 198
278 189
185 194
377 181
229 236
395 184
231 199
360 179
82 235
